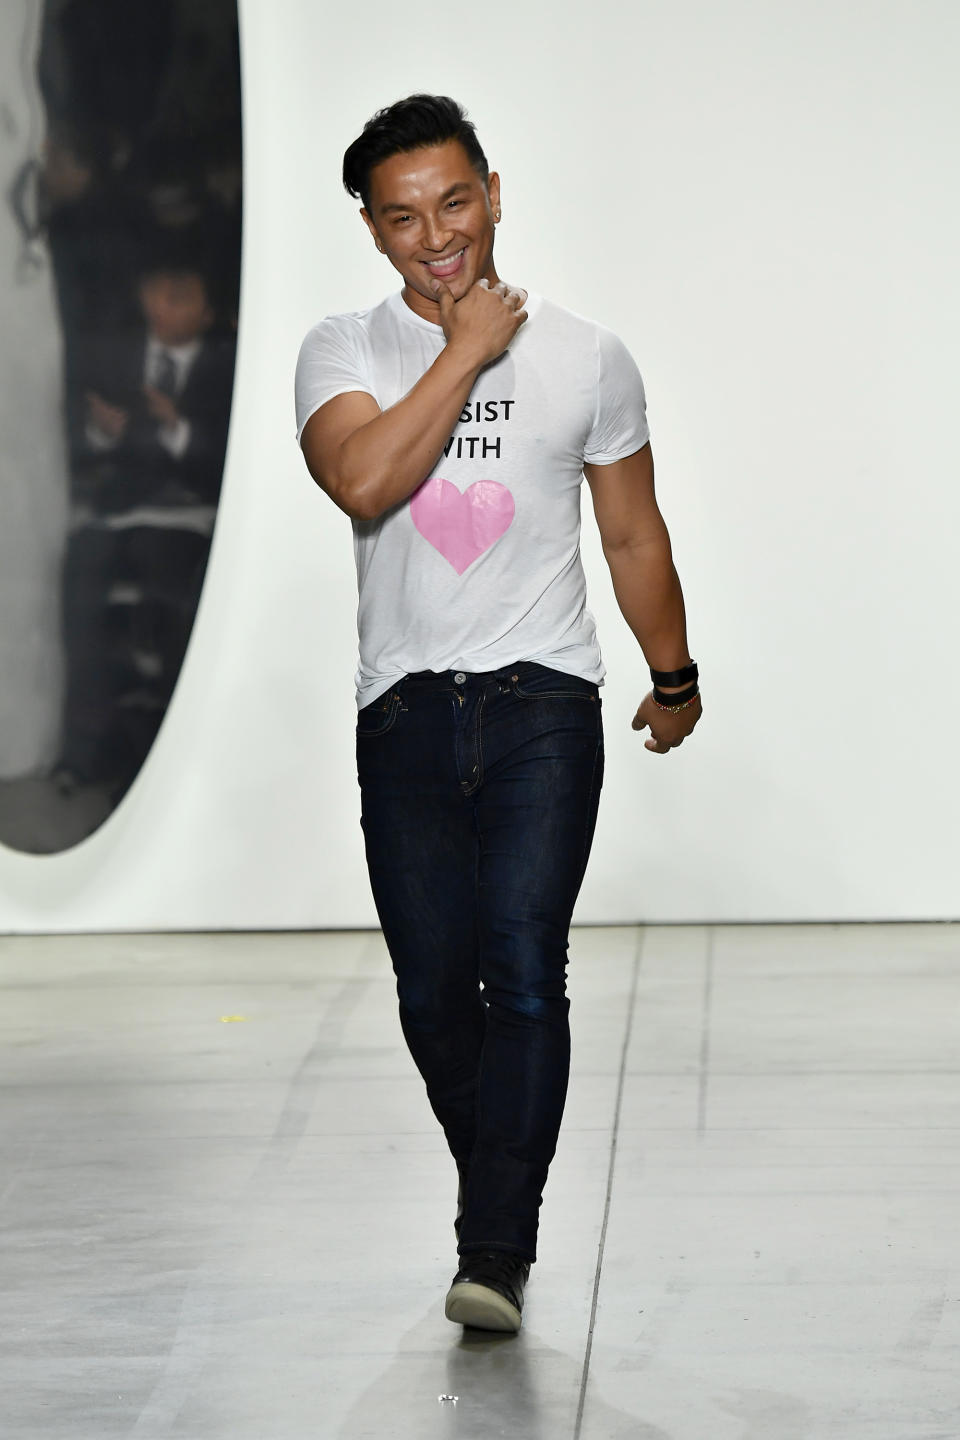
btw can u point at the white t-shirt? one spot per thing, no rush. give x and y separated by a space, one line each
481 566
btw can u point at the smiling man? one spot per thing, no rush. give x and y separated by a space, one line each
454 423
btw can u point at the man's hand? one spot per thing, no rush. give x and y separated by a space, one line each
368 460
110 420
161 408
484 321
667 729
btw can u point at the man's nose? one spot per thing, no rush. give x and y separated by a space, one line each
436 233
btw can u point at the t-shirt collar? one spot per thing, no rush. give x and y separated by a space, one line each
402 309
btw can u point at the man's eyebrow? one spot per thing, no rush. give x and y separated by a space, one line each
447 195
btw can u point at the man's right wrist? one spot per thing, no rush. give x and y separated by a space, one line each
467 361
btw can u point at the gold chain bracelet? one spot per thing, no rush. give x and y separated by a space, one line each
675 709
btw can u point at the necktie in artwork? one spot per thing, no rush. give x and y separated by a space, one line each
165 376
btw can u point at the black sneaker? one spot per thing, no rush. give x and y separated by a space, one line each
487 1290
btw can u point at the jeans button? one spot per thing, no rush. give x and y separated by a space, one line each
459 678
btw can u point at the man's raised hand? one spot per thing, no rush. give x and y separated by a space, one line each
484 321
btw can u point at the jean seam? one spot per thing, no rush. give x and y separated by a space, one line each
479 953
588 830
469 790
551 694
391 713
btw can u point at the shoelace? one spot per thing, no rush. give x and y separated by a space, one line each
499 1264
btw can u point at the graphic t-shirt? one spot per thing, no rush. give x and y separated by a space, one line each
481 566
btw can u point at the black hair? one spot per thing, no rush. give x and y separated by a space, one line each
409 124
181 252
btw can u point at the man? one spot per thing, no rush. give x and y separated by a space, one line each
156 401
454 423
149 441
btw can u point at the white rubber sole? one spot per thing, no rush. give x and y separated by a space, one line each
479 1306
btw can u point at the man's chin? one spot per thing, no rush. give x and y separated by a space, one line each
458 285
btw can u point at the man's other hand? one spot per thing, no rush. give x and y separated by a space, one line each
160 407
109 419
484 321
667 729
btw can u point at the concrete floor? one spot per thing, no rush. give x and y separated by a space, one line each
226 1211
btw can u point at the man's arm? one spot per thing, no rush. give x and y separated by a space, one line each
637 549
367 459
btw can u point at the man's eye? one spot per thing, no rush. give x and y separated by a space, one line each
452 203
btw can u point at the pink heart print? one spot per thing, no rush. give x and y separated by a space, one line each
462 526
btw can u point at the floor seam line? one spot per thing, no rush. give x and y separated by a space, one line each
615 1131
705 1034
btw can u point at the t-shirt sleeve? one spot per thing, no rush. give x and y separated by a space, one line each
620 420
331 362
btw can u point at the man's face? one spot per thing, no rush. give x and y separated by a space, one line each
175 307
433 216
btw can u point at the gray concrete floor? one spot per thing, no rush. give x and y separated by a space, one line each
226 1211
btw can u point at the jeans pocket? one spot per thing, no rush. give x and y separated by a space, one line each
539 682
379 716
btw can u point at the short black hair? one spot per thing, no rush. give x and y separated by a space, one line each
409 124
182 251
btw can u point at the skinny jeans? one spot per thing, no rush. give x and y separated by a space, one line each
479 801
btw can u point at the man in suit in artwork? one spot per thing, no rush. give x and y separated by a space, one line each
157 403
149 432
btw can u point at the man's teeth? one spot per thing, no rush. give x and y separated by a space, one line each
447 260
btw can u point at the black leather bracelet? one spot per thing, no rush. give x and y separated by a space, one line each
679 697
689 675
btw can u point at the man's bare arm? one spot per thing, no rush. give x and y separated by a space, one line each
636 545
367 459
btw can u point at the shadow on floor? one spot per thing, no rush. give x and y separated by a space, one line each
446 1381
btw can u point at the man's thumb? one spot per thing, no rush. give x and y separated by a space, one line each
444 297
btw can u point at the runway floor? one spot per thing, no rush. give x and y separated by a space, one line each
226 1210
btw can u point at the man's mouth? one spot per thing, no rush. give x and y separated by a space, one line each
448 265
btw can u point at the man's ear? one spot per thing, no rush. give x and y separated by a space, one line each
368 221
493 190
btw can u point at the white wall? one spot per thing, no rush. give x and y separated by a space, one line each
761 199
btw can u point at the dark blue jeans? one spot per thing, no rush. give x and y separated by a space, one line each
479 802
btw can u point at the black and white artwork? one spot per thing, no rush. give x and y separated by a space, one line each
120 221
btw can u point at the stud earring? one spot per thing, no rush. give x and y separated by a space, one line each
496 217
379 246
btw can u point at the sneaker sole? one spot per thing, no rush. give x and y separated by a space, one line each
480 1307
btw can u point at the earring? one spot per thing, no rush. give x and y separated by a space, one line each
379 247
496 217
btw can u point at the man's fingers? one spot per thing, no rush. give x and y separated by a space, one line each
512 294
657 746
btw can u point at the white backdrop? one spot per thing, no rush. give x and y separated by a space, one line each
761 199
